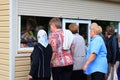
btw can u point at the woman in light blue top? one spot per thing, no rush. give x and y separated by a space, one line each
96 61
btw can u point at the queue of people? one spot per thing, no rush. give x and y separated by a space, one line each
65 57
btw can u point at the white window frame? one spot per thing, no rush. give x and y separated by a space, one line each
64 21
119 28
63 27
19 37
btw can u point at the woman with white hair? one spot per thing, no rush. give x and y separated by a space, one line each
96 61
40 58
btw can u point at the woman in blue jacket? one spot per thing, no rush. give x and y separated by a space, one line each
113 54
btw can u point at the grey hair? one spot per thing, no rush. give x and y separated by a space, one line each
56 22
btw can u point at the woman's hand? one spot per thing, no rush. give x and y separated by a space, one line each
90 59
29 77
84 67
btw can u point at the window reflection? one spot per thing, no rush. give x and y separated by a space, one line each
29 27
28 34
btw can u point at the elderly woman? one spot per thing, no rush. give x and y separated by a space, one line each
61 68
78 53
96 61
40 58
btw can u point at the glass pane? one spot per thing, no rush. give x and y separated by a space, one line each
29 28
28 34
67 25
83 31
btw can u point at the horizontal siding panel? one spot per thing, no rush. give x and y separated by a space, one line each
4 7
2 29
21 78
4 32
4 57
4 40
22 68
4 77
4 12
22 73
4 2
4 61
4 45
22 58
3 72
4 18
25 62
4 67
4 51
22 62
5 23
70 9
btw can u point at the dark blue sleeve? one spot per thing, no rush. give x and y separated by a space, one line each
34 62
114 49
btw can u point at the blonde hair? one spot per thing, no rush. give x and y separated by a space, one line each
100 29
96 28
73 28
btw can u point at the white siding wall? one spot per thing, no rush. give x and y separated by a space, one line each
82 9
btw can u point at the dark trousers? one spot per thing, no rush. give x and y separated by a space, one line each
62 73
98 76
48 78
78 75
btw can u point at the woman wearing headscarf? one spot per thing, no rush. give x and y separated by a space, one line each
96 61
40 58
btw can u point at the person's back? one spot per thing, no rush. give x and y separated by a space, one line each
61 62
79 52
113 55
40 58
46 55
112 49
